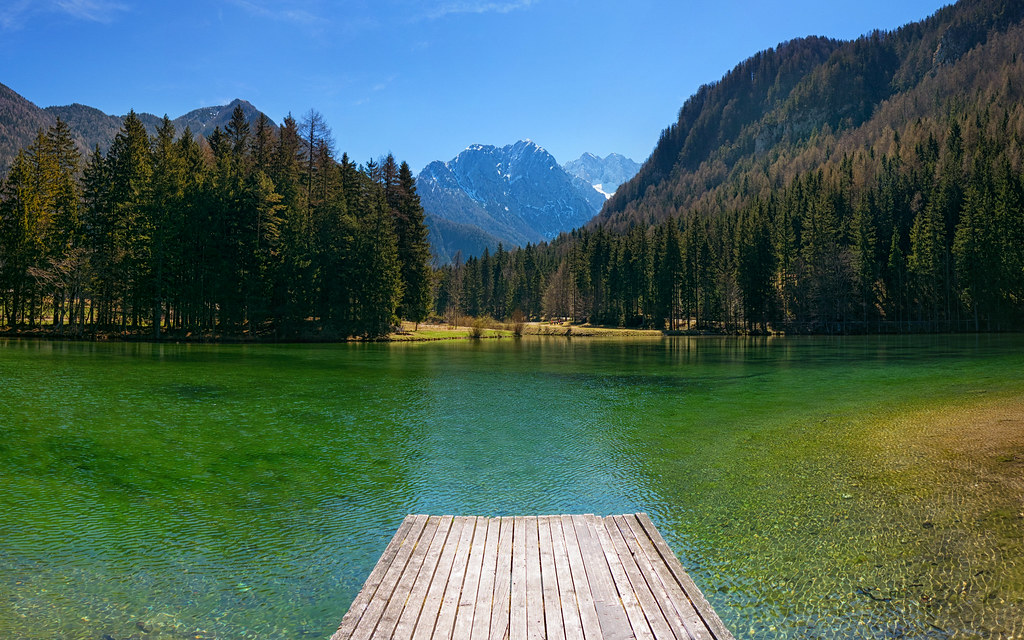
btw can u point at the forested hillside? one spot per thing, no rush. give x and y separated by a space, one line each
867 185
261 232
454 242
21 120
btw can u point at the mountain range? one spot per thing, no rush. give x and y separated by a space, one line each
486 196
20 120
605 174
513 195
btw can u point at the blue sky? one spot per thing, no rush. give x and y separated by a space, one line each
421 79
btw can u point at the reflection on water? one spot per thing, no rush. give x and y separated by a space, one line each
815 488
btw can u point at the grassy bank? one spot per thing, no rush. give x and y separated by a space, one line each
493 329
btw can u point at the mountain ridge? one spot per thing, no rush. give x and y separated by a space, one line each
765 116
21 119
517 193
604 174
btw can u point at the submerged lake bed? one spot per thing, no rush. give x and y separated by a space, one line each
867 487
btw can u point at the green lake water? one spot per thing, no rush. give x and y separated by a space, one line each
813 487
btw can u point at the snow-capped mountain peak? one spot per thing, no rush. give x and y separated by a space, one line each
605 174
519 192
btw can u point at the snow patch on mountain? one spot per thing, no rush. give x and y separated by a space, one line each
518 192
604 174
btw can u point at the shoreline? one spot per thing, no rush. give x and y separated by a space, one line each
407 333
437 332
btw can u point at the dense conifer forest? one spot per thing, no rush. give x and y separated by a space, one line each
820 186
872 185
255 231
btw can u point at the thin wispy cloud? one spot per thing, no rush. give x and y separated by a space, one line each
470 6
384 84
13 15
282 11
370 92
17 13
94 10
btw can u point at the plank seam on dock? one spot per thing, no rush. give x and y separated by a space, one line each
579 577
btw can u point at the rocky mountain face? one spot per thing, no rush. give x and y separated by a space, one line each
203 121
20 119
517 194
604 174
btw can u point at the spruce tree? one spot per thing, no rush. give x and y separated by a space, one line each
413 249
130 201
924 264
864 253
378 270
164 217
16 223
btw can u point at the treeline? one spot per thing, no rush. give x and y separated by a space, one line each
923 232
257 230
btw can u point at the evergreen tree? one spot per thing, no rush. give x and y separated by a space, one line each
378 270
977 267
755 267
668 274
17 215
413 248
130 202
925 262
168 179
864 253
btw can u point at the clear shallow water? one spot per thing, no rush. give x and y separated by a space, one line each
814 488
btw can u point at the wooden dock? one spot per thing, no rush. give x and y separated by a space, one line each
574 577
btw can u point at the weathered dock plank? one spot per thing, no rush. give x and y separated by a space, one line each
549 581
417 594
439 581
571 620
502 583
565 577
485 590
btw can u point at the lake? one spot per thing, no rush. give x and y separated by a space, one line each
866 487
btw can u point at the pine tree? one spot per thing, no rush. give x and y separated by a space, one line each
896 267
972 253
98 236
754 265
378 270
864 253
924 264
668 273
16 228
166 202
130 200
413 249
194 260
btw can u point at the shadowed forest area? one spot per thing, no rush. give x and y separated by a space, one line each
254 231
